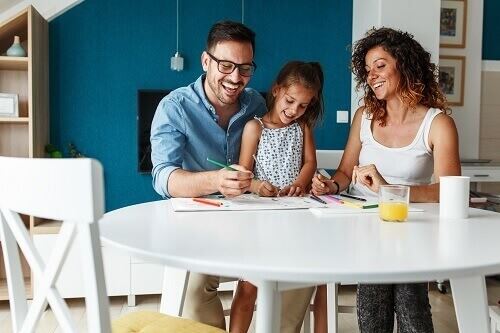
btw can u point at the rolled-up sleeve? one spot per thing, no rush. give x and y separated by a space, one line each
168 139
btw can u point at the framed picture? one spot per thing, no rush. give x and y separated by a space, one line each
453 23
451 78
9 105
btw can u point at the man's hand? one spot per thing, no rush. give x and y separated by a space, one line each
233 183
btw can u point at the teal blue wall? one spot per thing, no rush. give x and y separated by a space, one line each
491 30
101 52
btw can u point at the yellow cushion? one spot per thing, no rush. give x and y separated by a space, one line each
154 322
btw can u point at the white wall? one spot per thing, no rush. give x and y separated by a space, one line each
49 9
420 18
467 116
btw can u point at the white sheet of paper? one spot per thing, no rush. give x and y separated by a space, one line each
245 202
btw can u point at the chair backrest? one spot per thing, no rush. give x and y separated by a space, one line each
328 159
69 190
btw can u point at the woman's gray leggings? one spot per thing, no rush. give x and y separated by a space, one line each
377 303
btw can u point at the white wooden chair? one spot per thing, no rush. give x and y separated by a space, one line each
328 159
69 190
495 319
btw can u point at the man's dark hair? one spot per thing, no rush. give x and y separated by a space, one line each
227 31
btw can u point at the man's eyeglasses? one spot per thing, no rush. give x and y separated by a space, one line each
227 67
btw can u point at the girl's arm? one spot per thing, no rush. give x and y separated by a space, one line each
249 142
350 158
308 166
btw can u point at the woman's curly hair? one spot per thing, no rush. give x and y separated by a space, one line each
419 77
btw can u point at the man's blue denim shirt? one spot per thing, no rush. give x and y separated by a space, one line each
184 132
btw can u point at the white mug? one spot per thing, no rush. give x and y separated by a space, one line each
454 197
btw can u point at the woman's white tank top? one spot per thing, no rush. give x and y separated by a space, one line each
410 165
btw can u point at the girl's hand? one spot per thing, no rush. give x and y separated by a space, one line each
368 176
294 190
322 185
265 189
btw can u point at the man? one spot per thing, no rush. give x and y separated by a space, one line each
206 119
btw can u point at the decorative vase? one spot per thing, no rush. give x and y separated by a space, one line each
16 50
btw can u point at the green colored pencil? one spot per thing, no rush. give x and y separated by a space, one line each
222 165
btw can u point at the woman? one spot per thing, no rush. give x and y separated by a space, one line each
401 135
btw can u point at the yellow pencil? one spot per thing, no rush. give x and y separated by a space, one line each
351 204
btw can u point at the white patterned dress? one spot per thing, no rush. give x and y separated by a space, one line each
279 154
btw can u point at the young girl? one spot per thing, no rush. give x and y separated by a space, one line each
279 148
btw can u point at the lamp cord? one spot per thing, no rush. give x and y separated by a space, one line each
177 43
243 11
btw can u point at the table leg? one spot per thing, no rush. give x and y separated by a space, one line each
471 304
268 307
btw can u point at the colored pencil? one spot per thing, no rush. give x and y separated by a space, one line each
370 206
222 165
312 196
208 201
352 197
324 173
334 199
352 204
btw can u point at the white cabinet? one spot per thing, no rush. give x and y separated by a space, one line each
145 278
124 276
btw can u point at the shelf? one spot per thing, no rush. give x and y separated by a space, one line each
4 293
13 63
27 134
46 227
21 120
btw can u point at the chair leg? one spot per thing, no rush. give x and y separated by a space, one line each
96 296
174 289
332 306
15 280
307 319
494 312
131 302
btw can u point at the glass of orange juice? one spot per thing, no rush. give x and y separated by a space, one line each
393 202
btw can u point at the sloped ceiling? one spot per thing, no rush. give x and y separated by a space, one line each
6 4
49 9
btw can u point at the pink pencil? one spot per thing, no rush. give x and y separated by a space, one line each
333 199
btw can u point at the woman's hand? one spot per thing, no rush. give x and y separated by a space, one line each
264 189
369 176
294 190
322 185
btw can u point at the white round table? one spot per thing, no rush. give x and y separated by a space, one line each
283 249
